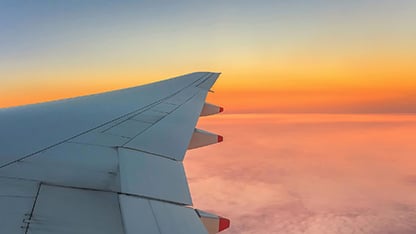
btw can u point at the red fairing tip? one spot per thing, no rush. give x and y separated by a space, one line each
224 224
220 138
221 109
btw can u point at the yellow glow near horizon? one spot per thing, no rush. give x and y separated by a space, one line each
271 61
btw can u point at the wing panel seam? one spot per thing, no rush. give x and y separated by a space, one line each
115 192
30 215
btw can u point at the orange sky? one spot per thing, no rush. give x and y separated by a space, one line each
310 90
319 56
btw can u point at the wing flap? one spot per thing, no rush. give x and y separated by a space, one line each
151 176
108 169
70 164
16 202
158 217
174 219
68 210
134 221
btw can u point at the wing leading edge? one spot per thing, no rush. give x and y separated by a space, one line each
106 163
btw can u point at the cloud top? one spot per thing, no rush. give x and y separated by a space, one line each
309 174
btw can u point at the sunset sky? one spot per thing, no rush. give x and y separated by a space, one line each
320 97
275 56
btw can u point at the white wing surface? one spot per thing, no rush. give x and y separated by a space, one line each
106 163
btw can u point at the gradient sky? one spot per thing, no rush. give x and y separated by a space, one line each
275 56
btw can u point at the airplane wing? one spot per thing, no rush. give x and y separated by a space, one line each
106 163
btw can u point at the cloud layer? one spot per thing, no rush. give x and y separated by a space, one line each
309 173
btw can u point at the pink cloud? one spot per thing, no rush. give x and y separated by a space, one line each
308 173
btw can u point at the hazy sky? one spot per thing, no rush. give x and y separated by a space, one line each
276 56
309 173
